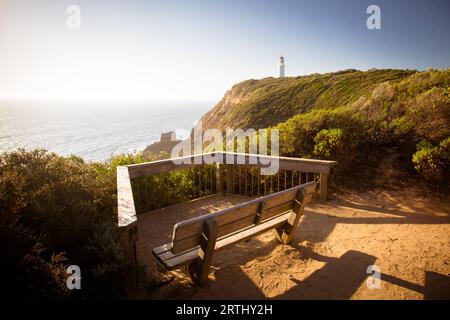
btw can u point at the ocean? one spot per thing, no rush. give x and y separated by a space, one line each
93 131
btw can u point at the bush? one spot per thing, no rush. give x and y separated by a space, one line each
29 273
63 211
329 143
430 113
433 163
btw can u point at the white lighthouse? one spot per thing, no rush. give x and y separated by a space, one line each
281 66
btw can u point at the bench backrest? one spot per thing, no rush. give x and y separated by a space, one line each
187 234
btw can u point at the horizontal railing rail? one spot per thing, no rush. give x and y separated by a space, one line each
285 163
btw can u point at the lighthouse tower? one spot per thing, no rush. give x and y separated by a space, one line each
281 66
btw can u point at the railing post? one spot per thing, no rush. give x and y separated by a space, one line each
127 223
323 186
229 179
219 178
128 238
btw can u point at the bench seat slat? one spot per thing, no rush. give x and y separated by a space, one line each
164 248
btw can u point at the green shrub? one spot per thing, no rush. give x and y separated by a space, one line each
433 163
329 143
430 113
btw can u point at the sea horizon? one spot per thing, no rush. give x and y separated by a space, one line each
94 130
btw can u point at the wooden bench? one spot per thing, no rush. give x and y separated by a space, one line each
195 240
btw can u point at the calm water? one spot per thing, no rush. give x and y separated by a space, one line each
93 131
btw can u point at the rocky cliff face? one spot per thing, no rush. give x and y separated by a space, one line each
219 116
165 145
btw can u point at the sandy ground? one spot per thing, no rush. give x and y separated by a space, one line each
405 232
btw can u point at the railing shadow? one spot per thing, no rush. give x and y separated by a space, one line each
437 286
371 208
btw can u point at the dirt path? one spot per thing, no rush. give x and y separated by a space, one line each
406 233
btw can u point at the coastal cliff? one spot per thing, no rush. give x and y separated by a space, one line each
269 101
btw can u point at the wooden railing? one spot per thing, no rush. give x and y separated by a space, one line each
247 180
298 170
146 186
164 189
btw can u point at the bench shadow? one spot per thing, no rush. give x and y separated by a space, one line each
338 279
231 283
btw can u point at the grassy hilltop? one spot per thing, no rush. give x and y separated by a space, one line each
269 101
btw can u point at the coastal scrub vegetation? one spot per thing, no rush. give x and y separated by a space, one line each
393 116
59 211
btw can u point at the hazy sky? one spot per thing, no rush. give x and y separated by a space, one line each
196 50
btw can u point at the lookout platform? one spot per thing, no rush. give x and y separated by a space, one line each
154 196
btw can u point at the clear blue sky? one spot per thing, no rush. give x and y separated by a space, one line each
197 49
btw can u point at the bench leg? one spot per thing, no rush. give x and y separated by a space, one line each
285 233
199 270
